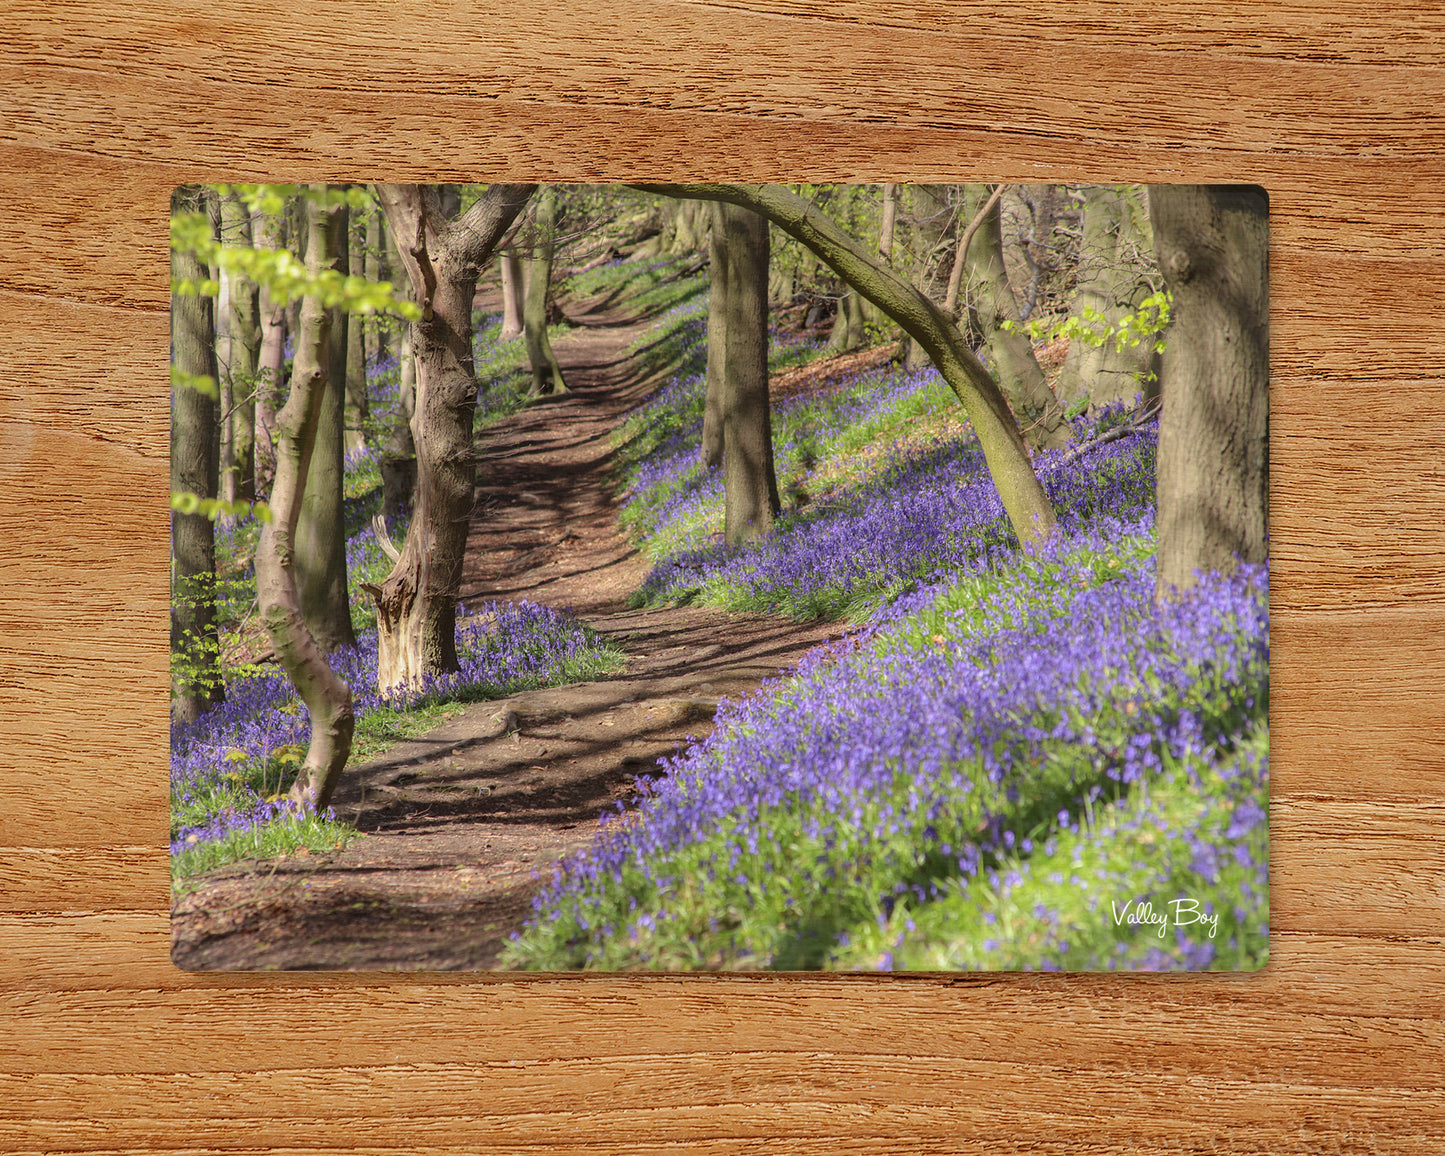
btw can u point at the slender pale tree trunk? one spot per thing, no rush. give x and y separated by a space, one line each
1019 375
998 432
358 405
320 535
195 461
887 223
373 269
327 698
749 478
1212 243
1113 279
244 330
266 231
398 451
416 605
717 318
546 372
513 290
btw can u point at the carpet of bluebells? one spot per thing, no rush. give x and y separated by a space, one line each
1018 762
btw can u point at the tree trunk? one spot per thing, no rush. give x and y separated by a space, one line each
327 698
887 223
244 329
1010 351
717 316
513 282
320 534
930 217
998 433
849 324
398 451
373 269
1112 282
195 461
749 479
416 605
357 403
546 373
1212 242
271 363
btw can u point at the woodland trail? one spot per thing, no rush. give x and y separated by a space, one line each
464 824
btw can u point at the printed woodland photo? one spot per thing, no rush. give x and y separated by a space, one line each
710 577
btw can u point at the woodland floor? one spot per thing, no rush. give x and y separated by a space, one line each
463 825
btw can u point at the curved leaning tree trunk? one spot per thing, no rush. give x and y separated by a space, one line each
326 696
416 605
1212 242
1018 486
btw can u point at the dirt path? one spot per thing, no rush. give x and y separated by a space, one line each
463 824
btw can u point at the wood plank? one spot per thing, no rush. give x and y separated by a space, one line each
1335 107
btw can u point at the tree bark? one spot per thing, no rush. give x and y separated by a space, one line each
195 462
1010 351
749 478
546 372
998 432
398 451
1112 282
243 325
327 698
320 535
1212 242
373 269
416 605
357 403
266 230
513 283
717 316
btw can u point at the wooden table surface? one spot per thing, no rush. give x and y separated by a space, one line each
1335 107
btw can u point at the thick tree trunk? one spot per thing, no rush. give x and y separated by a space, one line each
1112 282
930 219
546 372
749 478
1019 375
195 462
327 698
243 324
513 289
320 535
1212 243
416 605
998 432
271 361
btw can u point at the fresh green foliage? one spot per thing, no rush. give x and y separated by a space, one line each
1092 328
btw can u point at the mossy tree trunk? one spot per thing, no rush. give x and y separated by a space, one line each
327 698
998 432
546 372
416 604
195 469
1212 243
320 534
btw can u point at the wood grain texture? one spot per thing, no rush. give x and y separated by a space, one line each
1334 107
